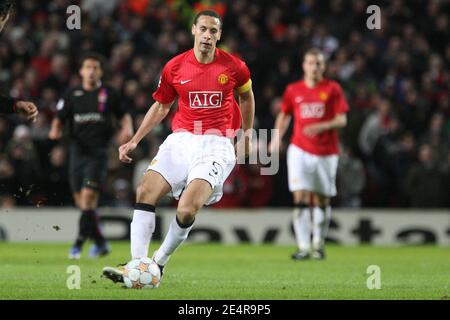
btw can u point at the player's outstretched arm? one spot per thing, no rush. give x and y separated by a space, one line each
247 104
55 132
281 125
27 109
126 131
154 116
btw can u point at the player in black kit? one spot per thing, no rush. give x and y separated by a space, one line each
89 112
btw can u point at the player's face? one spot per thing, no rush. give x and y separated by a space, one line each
314 66
206 33
91 71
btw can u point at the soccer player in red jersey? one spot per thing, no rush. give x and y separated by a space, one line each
319 108
195 160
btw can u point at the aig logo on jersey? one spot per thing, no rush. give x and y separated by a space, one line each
312 110
205 99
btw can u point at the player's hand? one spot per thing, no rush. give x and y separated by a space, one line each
54 134
243 147
28 109
314 129
125 150
124 136
274 146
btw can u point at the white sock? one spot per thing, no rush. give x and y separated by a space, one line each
302 227
174 238
142 228
321 221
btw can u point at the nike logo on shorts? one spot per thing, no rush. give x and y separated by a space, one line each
185 81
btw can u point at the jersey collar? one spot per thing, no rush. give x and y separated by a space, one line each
193 59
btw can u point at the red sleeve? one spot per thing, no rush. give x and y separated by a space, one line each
242 74
340 104
286 102
165 93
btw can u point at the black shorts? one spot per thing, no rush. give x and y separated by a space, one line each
87 168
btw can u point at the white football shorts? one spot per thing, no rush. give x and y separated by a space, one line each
185 156
311 172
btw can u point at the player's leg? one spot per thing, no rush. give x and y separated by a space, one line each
301 221
166 173
89 208
76 198
75 178
95 172
321 222
193 198
212 160
152 187
83 199
325 188
300 177
83 231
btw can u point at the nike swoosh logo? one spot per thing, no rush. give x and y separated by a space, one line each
185 81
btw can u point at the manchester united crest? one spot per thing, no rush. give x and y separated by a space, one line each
222 78
323 96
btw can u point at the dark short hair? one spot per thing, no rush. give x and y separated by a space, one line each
5 7
93 56
209 13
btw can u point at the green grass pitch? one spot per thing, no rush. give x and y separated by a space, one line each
198 271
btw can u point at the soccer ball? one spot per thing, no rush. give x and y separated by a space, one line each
142 273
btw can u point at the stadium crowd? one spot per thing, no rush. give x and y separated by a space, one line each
395 149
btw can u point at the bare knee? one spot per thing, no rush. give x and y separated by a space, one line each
143 192
77 199
88 199
321 201
186 212
301 197
147 192
151 188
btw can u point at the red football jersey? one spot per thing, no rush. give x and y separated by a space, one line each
205 92
312 105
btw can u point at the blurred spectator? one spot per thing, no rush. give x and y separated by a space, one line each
260 187
122 194
7 177
23 155
378 123
351 179
427 182
437 136
58 188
